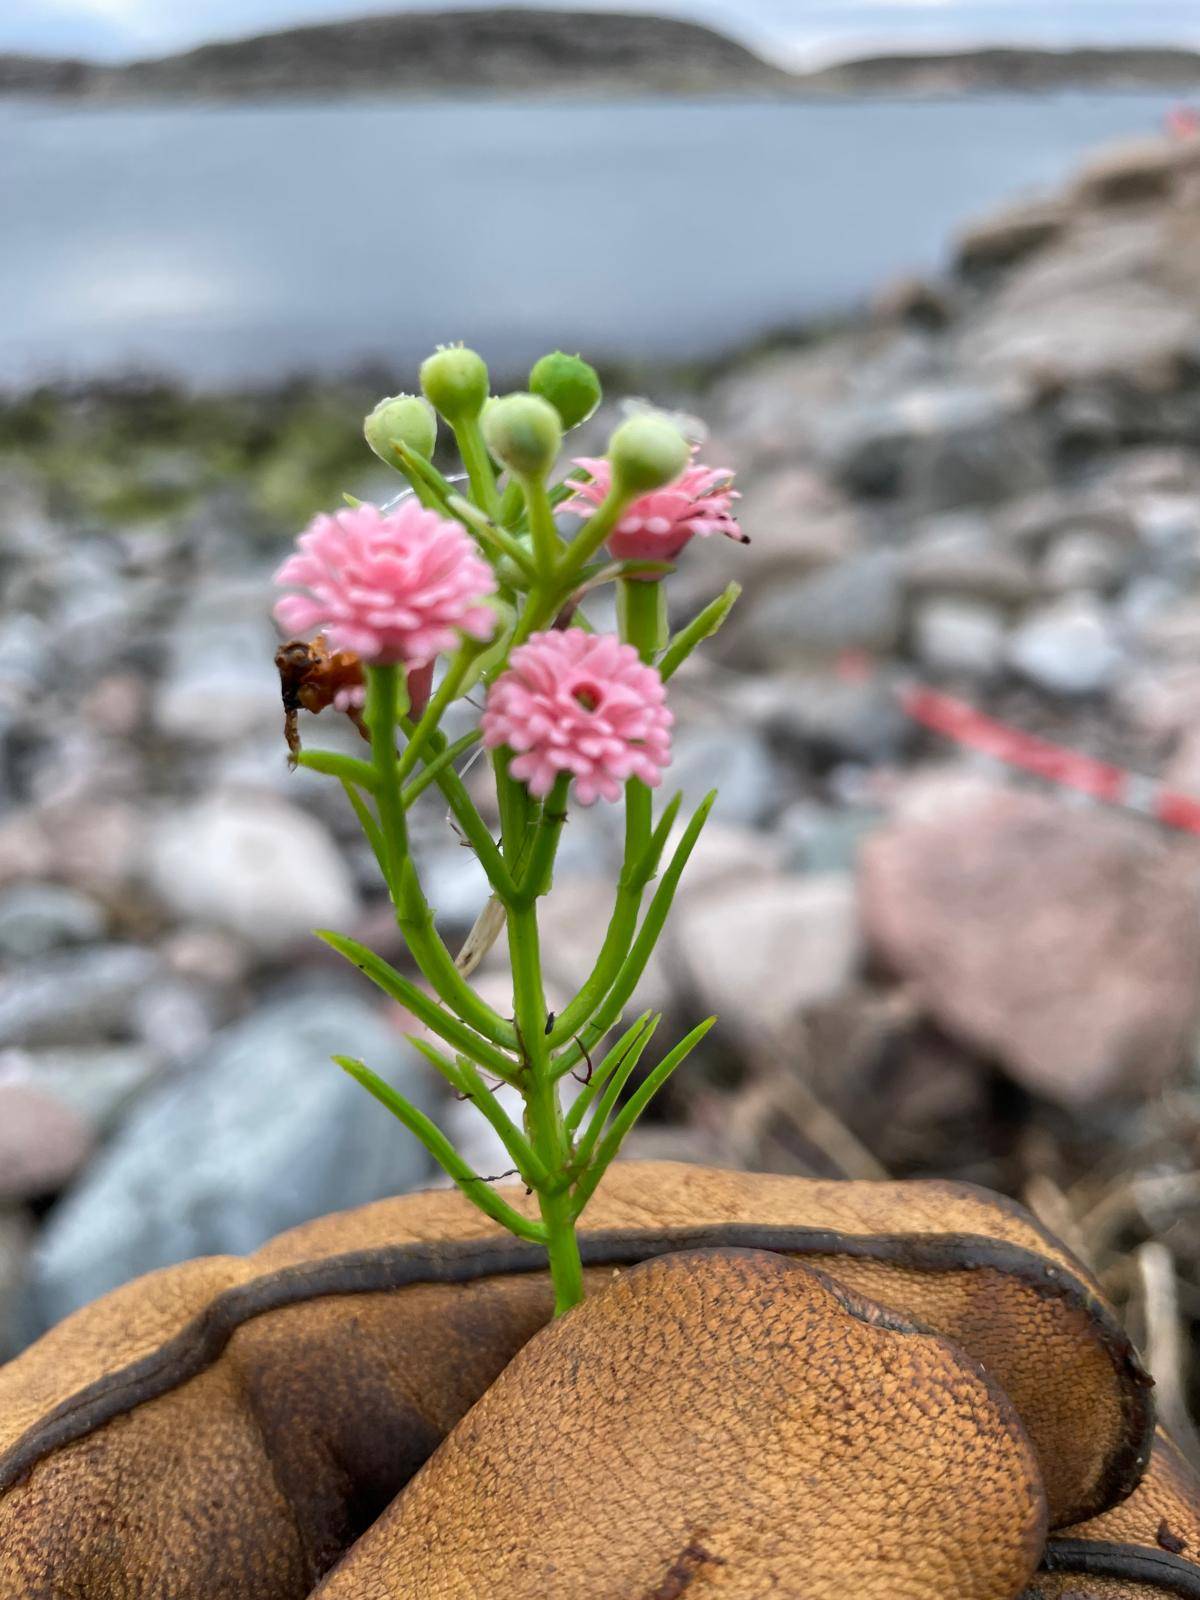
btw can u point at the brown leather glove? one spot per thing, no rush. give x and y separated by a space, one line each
230 1427
730 1418
1146 1548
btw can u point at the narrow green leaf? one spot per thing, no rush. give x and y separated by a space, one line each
331 764
438 1061
701 627
443 1152
369 826
631 1111
418 470
491 533
436 1019
434 769
533 1170
463 1077
618 1077
630 972
576 1112
648 865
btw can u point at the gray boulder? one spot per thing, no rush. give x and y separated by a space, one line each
252 864
263 1134
75 996
1067 648
857 605
37 917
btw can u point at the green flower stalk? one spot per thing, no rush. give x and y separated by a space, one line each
455 382
491 586
525 434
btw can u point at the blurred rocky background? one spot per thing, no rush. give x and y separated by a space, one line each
924 964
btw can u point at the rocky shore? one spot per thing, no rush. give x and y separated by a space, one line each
923 964
523 51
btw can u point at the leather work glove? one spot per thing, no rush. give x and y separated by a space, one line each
775 1385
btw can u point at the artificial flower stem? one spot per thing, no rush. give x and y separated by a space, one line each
384 683
562 1249
593 534
512 502
642 613
515 808
544 604
469 437
437 965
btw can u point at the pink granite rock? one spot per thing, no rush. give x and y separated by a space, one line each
1065 942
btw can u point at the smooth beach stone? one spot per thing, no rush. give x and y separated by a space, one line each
729 1417
231 1425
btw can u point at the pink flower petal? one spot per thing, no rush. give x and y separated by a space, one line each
396 586
584 704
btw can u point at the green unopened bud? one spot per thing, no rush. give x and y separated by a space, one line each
570 384
647 452
455 382
401 419
524 433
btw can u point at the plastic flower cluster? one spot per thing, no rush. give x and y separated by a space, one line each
484 586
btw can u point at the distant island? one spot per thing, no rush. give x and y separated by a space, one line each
597 53
1011 69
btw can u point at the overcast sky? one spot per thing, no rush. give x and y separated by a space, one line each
795 29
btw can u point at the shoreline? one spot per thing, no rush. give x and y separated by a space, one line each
404 98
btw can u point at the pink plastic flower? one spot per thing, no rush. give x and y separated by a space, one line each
391 586
659 525
581 703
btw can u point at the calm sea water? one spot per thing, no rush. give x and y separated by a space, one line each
241 242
